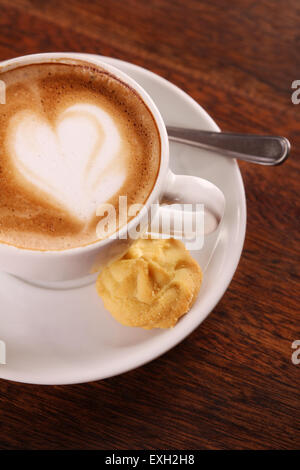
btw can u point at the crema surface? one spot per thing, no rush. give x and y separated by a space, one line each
72 137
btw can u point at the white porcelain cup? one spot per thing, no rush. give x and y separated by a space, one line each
75 263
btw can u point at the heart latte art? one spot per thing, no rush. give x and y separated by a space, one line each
71 138
75 161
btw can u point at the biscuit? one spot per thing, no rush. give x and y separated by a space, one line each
152 286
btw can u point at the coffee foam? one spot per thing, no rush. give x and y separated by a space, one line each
73 137
68 161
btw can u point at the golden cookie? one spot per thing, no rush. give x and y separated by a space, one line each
152 286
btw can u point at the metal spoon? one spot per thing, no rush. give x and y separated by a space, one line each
262 149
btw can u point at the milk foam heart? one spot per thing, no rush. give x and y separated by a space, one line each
68 162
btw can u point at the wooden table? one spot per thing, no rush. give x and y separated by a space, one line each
231 384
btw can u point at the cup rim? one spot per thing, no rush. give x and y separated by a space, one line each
45 57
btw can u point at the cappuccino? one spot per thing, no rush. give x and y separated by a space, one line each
72 137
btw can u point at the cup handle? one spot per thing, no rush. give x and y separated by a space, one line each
184 189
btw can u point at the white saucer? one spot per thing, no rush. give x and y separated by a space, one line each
66 336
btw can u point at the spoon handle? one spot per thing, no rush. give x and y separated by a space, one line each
263 149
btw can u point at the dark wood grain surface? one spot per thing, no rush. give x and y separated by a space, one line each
231 384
